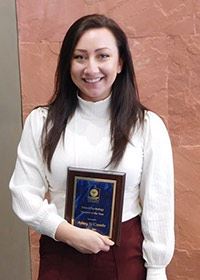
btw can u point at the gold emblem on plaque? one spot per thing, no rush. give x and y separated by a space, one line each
94 194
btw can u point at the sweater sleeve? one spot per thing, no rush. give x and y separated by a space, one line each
157 198
28 183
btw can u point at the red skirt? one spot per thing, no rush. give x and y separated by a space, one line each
59 261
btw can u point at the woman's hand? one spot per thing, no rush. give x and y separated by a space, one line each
84 240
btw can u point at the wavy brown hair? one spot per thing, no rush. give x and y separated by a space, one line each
126 108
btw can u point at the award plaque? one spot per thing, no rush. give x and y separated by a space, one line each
94 200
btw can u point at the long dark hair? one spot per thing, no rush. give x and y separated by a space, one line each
126 108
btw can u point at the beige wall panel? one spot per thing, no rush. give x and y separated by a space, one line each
14 257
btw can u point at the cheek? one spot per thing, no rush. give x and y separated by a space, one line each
75 69
113 70
75 76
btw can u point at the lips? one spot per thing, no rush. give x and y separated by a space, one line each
92 80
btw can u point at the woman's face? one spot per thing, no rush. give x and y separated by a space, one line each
95 64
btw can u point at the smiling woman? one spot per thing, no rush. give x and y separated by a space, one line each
95 64
96 121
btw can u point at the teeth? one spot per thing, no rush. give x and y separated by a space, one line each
92 80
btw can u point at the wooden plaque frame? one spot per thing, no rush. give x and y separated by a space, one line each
116 181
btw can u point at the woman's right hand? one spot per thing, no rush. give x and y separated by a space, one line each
85 241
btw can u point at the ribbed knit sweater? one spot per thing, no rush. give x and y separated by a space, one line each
147 162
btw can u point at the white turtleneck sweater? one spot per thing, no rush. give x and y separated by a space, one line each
147 162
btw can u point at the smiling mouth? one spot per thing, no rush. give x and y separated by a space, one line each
93 80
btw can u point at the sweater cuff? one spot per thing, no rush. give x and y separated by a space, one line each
156 274
50 225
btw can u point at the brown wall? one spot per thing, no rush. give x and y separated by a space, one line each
165 42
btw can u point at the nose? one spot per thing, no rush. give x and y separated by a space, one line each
91 66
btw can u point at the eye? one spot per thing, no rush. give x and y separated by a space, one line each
104 56
79 57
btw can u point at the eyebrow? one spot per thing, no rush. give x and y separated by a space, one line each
99 49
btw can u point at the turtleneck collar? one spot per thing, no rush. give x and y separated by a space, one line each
96 110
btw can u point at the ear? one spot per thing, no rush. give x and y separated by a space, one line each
120 65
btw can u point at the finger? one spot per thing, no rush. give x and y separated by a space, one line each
105 248
107 241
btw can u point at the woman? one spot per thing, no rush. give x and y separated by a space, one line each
95 120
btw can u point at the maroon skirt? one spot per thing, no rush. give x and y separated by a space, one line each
59 261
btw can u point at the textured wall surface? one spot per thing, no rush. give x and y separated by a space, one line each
165 43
